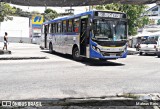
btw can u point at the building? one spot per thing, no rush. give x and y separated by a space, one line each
17 29
154 17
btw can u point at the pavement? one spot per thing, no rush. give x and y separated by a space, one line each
59 76
21 51
33 74
132 51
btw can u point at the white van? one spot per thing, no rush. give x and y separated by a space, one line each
158 48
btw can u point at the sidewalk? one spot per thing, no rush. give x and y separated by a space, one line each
132 51
22 51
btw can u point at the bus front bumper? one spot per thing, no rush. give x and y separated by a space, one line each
107 55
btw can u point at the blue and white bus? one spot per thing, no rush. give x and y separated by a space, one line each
93 34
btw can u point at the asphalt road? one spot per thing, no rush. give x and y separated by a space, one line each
60 77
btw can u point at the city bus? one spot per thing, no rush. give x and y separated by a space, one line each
93 34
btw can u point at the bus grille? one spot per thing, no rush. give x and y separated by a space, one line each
111 53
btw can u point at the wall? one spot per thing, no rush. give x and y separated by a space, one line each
17 29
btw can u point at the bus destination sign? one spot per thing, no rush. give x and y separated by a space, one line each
110 15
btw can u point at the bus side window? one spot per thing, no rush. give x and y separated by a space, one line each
49 28
53 28
43 29
76 25
64 26
56 27
46 29
70 26
59 27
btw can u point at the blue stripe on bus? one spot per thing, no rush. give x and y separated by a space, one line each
69 33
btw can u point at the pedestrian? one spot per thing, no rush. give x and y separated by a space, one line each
5 41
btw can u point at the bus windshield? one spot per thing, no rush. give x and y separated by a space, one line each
110 30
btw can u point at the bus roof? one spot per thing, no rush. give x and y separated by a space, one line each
78 15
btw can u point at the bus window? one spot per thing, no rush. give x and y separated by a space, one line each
49 28
64 26
56 28
70 26
76 25
53 28
59 27
46 29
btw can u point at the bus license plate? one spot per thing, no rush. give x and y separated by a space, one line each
112 54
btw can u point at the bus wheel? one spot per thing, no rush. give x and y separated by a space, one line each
75 54
50 48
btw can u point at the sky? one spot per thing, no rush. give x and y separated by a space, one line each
59 9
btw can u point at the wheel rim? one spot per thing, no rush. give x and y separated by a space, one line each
76 53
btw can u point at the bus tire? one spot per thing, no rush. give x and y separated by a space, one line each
75 54
50 48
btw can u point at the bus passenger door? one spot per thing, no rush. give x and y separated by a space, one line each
83 35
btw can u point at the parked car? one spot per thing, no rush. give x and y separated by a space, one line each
36 39
148 47
158 48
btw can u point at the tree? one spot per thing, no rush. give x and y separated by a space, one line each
133 12
20 12
50 14
35 13
5 11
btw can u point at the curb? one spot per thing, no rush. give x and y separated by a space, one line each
132 52
21 58
4 52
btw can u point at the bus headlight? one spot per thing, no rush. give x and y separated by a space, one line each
96 49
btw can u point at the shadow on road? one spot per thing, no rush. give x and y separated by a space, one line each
86 61
148 55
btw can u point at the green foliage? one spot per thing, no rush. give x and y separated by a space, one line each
158 23
133 12
50 14
20 12
5 11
